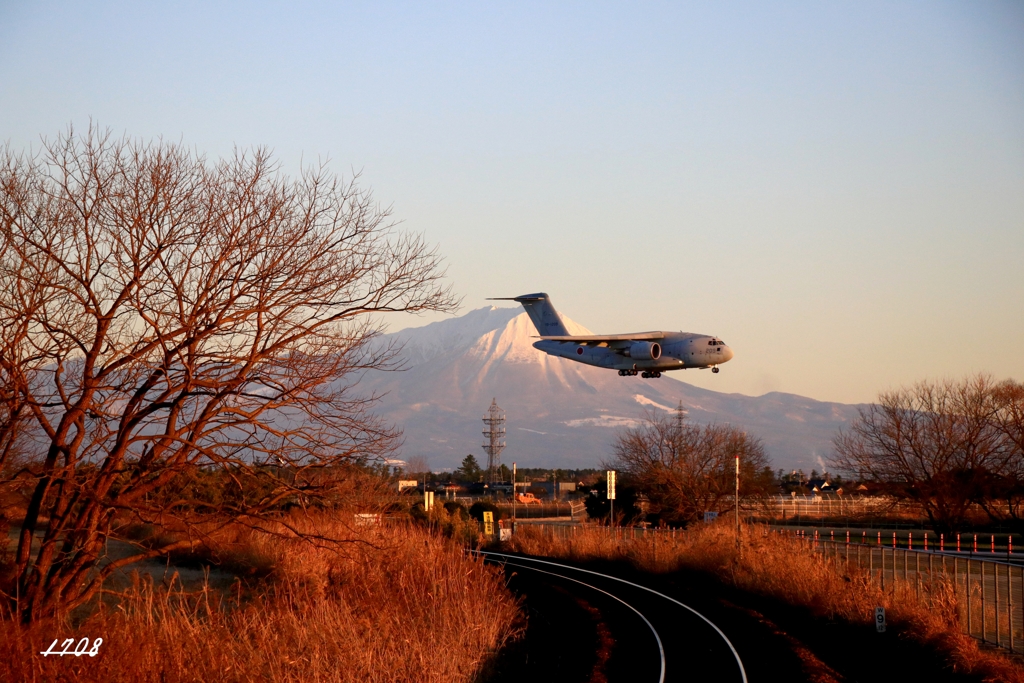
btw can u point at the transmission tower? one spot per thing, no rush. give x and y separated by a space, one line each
494 443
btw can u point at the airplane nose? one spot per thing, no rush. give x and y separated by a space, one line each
727 354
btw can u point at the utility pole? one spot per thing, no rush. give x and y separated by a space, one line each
737 502
513 498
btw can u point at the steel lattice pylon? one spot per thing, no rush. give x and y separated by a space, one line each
495 432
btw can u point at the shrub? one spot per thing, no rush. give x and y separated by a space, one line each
477 510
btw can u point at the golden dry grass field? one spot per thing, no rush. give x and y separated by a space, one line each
367 603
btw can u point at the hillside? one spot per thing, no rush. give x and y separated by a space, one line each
562 413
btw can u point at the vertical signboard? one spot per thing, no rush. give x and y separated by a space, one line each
880 619
488 523
611 496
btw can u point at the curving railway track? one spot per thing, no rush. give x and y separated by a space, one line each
594 627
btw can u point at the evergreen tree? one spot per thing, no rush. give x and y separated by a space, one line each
469 470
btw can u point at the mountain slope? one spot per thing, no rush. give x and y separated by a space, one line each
562 413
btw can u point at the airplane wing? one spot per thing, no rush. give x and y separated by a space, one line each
599 338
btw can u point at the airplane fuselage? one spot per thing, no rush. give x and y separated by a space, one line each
679 351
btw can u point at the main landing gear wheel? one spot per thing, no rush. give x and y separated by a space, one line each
715 369
628 373
649 375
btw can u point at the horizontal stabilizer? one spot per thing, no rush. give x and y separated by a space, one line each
525 297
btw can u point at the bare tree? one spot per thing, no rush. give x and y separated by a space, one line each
938 443
1009 398
417 466
687 469
167 321
1002 493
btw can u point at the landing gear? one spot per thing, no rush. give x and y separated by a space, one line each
629 373
714 369
649 375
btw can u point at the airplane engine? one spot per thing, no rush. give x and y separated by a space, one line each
644 350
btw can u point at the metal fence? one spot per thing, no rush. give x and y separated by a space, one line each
830 504
570 529
823 505
536 510
989 594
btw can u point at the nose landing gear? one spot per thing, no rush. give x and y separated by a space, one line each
714 369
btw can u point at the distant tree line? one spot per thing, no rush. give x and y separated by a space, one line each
470 471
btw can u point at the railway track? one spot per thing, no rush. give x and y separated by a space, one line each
590 626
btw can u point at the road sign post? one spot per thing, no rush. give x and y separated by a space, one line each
611 496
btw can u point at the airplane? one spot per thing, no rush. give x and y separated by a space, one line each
645 353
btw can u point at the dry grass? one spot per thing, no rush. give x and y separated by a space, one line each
784 569
387 604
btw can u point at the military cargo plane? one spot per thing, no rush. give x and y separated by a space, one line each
645 353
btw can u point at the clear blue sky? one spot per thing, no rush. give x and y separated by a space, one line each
836 189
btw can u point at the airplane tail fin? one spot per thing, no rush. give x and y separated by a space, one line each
544 316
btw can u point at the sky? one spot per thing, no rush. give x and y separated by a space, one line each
835 189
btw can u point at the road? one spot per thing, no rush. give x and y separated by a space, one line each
590 626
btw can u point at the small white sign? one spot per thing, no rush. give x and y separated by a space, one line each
611 484
880 619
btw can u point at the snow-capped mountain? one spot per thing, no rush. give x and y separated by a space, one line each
561 413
